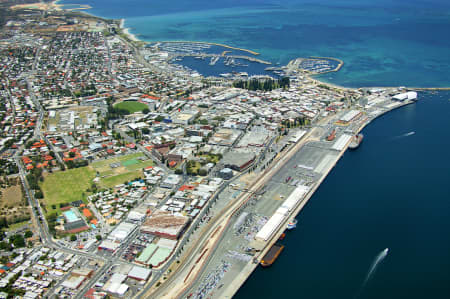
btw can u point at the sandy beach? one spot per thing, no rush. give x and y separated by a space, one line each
130 35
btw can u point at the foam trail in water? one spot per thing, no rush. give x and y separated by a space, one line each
404 135
409 134
378 259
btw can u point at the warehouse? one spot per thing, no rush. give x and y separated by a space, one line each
109 246
122 231
139 273
297 136
349 116
270 227
238 160
294 198
166 225
342 142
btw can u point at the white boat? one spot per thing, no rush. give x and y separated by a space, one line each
292 225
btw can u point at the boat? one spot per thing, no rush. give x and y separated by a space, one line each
271 255
356 141
331 136
214 59
292 225
281 238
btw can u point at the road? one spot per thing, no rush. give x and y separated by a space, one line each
194 259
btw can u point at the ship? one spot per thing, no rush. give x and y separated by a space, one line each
271 255
356 141
331 136
292 225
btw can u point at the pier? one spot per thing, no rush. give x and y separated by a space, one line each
313 61
213 44
203 55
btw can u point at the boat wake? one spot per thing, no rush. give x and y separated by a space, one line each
409 134
376 262
404 135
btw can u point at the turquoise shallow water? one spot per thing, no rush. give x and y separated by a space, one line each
391 192
383 43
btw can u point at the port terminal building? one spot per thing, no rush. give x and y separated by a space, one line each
282 213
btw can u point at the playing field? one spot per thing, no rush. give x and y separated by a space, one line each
131 106
117 170
66 186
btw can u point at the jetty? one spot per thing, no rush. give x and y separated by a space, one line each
203 55
213 44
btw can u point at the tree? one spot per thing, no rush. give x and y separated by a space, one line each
98 237
73 238
17 240
146 111
28 234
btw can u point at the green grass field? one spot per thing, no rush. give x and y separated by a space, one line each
130 162
66 186
112 181
104 164
131 106
131 167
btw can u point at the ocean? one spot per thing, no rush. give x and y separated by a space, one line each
383 43
392 192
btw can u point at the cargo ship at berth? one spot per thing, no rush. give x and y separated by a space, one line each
356 141
271 255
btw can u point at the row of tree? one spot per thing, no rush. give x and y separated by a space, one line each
265 84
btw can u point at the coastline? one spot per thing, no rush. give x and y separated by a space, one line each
240 279
232 289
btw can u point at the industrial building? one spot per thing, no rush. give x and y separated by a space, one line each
157 254
108 246
277 219
165 224
238 160
139 273
350 116
410 96
342 142
122 231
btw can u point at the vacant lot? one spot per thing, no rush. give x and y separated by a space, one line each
66 186
12 196
131 106
12 205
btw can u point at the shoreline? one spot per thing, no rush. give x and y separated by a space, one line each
242 277
127 32
55 5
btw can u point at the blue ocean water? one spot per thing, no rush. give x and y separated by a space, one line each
390 193
383 43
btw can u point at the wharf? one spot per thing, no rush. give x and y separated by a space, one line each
213 44
265 246
217 55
